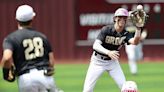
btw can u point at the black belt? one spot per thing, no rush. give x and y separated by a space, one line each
28 70
102 57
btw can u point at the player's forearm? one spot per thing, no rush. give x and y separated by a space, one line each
51 59
6 63
137 36
98 47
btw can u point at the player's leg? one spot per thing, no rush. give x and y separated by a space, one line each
139 52
131 54
25 84
48 84
36 81
93 73
133 66
117 74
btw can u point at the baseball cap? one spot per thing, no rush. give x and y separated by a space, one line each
24 13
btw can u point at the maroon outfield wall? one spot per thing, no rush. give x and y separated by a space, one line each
59 20
55 18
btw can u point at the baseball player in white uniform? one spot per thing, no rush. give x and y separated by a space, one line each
135 52
106 51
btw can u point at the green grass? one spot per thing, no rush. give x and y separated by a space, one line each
70 78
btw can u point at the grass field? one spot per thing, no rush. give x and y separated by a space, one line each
70 78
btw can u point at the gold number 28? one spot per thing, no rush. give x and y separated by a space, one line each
34 48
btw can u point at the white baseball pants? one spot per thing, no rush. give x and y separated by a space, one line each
36 81
98 67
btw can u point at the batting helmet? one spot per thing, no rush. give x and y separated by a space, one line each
121 12
129 86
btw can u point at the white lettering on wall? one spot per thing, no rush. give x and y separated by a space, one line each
96 19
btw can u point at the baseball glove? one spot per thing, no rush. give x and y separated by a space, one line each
9 74
138 18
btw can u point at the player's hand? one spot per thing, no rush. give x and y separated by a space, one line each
49 71
114 54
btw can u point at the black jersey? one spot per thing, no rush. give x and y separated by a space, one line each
113 40
30 49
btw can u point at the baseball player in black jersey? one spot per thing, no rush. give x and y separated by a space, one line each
106 51
30 53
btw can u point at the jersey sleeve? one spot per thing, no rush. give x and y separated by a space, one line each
49 48
46 43
102 34
7 44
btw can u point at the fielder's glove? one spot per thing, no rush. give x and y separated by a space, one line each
9 74
49 71
138 18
